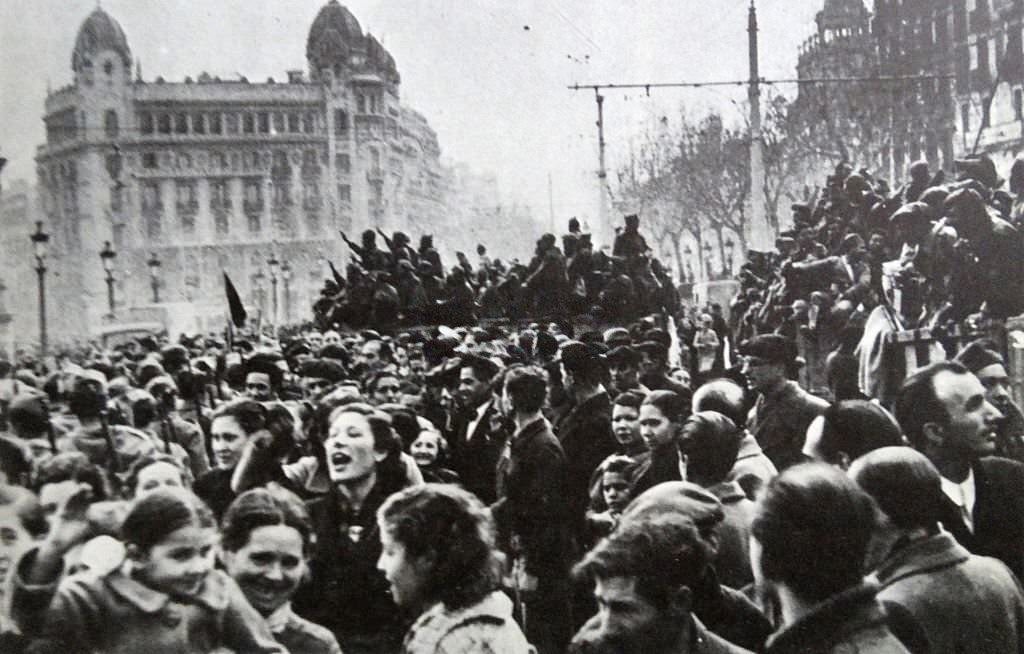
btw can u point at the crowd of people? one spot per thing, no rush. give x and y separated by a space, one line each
663 485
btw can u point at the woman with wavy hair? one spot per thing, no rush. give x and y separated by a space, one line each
438 555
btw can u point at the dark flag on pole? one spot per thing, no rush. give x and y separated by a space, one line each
238 314
338 279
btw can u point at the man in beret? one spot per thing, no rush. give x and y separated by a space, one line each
585 430
784 410
990 369
318 376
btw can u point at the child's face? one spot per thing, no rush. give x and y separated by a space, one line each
424 449
178 565
615 488
14 540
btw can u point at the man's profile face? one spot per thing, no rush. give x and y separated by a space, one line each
472 391
971 428
996 383
257 386
627 621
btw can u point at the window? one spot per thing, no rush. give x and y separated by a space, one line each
149 160
221 223
219 194
308 123
146 122
254 223
198 123
154 228
282 194
164 124
248 124
311 195
340 122
279 123
216 126
116 197
253 198
232 123
344 192
263 122
343 163
360 103
150 196
181 124
294 123
110 126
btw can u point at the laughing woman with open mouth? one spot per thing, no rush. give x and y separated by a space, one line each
347 593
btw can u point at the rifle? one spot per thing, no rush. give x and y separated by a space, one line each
387 241
49 425
114 460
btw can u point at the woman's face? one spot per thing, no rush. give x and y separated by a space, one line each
625 424
655 428
270 567
425 448
227 439
178 564
351 456
156 476
407 575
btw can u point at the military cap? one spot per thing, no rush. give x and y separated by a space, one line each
617 336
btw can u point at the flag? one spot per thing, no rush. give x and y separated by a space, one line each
238 315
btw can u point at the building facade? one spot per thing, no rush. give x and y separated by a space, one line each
965 94
210 174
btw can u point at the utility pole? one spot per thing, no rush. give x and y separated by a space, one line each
603 222
758 234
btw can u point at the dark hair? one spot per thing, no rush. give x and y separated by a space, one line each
671 404
451 525
663 552
711 442
904 484
14 461
723 396
483 368
155 516
631 398
26 506
917 404
71 466
854 427
264 507
143 462
250 414
390 473
371 384
527 387
813 523
617 464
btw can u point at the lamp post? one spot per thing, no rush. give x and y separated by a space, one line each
707 261
261 296
685 267
154 276
729 250
40 239
272 264
107 256
286 277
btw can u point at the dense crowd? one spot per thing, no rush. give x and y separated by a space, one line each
660 485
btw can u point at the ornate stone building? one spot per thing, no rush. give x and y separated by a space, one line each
212 174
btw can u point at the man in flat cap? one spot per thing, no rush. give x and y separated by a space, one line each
990 369
783 411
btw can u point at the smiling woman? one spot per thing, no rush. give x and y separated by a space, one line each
233 426
350 596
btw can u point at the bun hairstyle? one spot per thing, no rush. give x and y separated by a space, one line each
155 516
264 507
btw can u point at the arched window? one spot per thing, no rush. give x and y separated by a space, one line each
110 124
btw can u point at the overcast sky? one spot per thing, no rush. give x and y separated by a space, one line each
489 75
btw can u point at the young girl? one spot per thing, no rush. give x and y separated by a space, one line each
662 415
429 450
166 597
615 486
265 537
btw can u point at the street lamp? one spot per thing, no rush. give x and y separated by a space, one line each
40 239
729 250
154 276
107 256
272 264
707 261
261 297
286 277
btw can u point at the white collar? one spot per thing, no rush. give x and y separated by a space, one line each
962 494
279 619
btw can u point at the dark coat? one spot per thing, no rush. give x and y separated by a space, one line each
998 513
475 456
347 594
780 422
585 433
852 622
532 510
960 602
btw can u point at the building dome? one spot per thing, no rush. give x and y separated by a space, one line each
335 32
98 33
840 14
378 57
